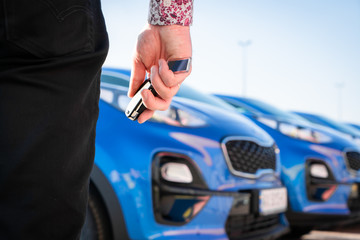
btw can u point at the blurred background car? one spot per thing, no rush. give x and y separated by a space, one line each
319 167
349 131
354 125
192 172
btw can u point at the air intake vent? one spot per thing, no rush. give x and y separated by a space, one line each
237 227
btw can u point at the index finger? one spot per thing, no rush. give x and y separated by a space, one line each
137 77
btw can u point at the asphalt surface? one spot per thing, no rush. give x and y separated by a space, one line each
350 232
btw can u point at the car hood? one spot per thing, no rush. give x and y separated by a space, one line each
231 123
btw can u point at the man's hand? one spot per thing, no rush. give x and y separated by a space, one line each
156 45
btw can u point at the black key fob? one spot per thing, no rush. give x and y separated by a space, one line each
136 105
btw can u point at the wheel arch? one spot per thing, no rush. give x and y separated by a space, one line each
112 204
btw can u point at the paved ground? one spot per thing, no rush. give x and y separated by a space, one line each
327 235
351 232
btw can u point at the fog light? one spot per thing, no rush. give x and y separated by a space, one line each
319 170
354 191
176 172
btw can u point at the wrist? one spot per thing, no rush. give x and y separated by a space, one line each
164 29
170 12
176 40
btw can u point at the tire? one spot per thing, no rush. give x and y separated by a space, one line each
296 233
97 224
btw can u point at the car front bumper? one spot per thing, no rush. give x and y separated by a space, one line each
248 214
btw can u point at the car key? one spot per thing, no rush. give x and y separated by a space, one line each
136 105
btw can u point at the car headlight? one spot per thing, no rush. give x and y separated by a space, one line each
178 117
319 170
172 116
303 133
295 131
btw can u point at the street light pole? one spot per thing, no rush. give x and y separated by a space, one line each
244 45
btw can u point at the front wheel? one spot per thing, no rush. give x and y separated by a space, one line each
97 225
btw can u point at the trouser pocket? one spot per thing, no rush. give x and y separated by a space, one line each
50 28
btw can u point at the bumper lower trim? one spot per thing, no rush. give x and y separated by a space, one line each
319 221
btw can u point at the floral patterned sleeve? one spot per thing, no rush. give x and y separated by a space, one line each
171 12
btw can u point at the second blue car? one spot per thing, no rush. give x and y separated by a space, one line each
319 167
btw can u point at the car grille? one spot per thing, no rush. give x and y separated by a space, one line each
248 157
238 226
353 159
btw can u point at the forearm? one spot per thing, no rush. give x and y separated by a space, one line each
171 12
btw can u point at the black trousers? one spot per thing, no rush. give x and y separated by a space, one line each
51 53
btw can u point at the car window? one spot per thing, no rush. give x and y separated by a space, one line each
268 109
193 94
242 109
316 120
115 80
329 122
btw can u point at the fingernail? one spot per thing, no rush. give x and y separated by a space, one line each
152 71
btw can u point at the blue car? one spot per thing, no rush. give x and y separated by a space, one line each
354 126
319 167
348 131
192 172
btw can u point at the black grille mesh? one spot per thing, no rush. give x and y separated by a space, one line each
238 226
353 160
248 157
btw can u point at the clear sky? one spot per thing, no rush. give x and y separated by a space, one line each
304 54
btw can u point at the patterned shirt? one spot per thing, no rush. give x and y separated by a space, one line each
171 12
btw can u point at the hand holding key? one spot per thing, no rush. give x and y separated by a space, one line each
155 44
136 105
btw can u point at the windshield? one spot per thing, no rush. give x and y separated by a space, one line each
116 80
331 123
193 94
268 109
354 126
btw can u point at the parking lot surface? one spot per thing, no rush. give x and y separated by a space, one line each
351 232
329 235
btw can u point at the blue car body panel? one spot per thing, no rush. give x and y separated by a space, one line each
126 149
